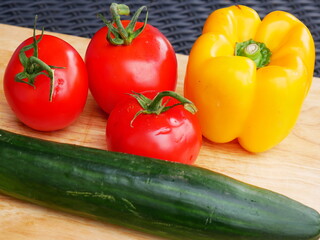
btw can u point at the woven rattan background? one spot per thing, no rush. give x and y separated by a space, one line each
180 20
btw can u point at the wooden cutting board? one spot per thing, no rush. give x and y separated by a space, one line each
291 168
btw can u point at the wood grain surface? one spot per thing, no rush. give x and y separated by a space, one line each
292 168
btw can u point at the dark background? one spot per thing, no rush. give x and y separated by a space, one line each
180 21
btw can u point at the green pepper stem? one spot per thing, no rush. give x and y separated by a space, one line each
252 50
256 51
122 35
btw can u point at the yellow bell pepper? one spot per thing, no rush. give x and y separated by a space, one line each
249 78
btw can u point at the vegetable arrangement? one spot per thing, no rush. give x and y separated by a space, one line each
248 77
245 85
169 199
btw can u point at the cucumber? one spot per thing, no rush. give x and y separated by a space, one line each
172 200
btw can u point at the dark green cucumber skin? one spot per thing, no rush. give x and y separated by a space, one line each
168 199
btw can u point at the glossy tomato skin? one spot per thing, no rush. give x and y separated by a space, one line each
174 135
148 63
30 104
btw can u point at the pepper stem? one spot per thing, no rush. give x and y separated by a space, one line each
252 50
122 35
156 105
256 51
33 66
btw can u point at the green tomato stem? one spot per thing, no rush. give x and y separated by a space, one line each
156 105
122 35
33 66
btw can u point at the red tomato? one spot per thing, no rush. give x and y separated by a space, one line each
148 63
31 104
174 135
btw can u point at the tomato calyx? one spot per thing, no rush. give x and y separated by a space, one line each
33 66
122 35
156 105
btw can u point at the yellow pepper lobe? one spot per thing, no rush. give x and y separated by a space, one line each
224 97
